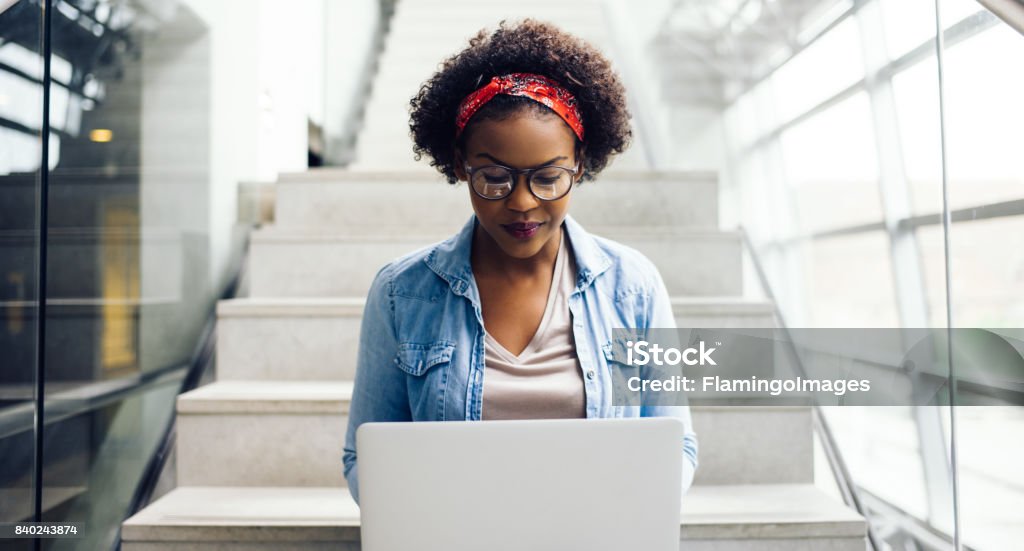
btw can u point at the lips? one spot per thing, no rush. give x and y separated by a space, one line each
522 230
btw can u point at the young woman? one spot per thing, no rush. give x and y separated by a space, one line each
512 317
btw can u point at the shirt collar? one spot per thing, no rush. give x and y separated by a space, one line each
450 258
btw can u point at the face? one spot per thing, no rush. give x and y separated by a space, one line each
526 140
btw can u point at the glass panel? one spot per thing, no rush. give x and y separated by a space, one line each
129 274
849 282
984 114
915 92
823 69
21 116
831 164
881 448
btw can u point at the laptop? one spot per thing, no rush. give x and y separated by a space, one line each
596 484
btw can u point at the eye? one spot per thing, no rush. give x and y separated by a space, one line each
494 175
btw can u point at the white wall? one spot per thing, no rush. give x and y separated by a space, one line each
351 26
268 71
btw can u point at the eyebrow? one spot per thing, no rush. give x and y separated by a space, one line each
500 162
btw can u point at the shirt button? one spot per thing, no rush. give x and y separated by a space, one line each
590 374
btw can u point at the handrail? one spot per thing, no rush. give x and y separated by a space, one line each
839 469
202 357
85 398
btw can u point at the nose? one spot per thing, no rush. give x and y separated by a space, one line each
521 199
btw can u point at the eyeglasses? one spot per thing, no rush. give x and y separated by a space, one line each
547 183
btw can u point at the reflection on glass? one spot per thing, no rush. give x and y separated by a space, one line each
984 116
129 282
21 111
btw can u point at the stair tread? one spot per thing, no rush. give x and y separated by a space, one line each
341 176
278 234
252 396
310 397
314 514
353 306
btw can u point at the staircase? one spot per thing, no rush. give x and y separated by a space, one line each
259 450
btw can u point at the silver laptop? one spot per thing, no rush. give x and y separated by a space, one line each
541 484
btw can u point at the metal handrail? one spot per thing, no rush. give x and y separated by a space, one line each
202 357
840 471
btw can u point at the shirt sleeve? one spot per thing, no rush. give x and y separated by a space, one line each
662 317
379 390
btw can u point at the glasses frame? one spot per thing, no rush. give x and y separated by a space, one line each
515 172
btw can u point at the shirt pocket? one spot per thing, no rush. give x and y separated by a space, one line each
416 359
624 378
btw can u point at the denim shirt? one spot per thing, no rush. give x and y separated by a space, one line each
421 344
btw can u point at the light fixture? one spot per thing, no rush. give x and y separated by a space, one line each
101 135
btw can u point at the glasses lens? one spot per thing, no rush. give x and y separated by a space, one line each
492 182
551 182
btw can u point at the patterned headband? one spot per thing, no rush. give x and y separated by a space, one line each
536 87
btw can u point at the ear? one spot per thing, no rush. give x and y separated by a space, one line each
581 160
459 166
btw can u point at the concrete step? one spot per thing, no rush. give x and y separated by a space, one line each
262 433
393 202
291 433
791 517
289 263
291 339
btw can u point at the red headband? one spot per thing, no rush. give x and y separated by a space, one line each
535 87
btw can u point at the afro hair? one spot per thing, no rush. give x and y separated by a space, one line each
529 46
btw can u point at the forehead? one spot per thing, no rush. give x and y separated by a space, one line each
521 140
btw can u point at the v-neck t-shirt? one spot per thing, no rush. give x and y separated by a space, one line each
545 380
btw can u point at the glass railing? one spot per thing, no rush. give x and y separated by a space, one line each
115 206
127 130
847 158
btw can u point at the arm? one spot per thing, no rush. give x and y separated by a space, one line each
379 392
661 316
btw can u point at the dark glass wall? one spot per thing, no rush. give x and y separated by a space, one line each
128 282
21 118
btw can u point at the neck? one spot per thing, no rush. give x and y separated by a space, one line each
488 258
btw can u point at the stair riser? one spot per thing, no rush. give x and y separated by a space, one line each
737 446
400 206
754 445
287 348
699 265
274 449
290 348
788 544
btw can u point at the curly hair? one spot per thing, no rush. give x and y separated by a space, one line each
527 46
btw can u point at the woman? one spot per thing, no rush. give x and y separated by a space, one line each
512 317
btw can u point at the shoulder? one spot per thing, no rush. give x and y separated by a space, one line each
629 270
409 275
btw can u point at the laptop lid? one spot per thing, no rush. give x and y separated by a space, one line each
538 484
